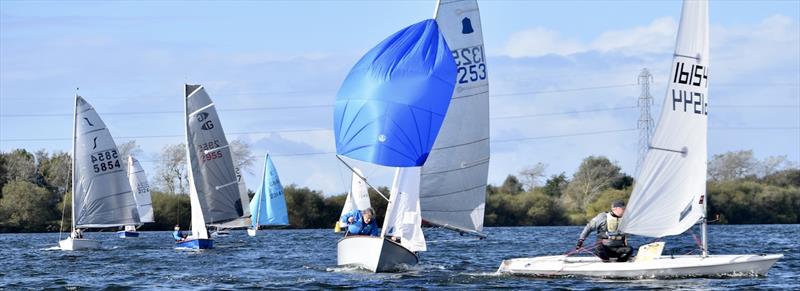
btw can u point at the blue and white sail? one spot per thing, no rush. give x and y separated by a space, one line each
268 206
392 104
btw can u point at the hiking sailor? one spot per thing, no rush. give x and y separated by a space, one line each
612 243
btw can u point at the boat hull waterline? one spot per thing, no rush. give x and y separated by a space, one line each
662 267
195 244
374 254
74 244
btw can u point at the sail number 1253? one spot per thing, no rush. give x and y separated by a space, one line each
471 64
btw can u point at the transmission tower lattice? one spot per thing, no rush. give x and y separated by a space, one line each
646 123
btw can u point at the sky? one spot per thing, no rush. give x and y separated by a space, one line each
562 76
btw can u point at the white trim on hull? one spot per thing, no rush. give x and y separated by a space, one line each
74 244
373 253
662 267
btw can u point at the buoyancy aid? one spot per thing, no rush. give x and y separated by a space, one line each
612 227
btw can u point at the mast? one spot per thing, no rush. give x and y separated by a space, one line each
74 141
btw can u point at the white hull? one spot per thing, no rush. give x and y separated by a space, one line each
251 232
72 244
373 253
661 267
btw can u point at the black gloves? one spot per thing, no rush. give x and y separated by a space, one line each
579 244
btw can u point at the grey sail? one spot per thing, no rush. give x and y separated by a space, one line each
213 176
102 195
453 179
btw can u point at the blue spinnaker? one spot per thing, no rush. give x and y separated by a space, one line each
268 206
393 102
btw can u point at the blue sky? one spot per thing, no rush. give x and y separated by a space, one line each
132 57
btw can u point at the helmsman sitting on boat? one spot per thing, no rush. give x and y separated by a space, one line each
177 234
611 242
360 222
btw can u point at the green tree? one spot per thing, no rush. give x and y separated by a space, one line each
595 175
27 207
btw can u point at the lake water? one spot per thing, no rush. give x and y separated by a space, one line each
306 259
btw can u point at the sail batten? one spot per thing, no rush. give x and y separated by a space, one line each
669 196
449 194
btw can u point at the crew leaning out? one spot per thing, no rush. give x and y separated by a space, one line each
360 222
611 242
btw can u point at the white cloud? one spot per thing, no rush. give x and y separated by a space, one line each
539 42
657 37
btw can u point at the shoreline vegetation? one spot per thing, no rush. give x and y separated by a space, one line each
742 190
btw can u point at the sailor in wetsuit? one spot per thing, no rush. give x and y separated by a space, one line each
614 244
177 234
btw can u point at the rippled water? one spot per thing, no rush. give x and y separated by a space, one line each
305 259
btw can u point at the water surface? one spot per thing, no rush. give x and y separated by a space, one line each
303 259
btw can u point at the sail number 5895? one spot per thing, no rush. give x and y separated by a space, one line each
470 63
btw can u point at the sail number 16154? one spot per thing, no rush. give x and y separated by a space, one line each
471 64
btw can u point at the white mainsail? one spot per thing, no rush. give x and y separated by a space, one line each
141 190
453 182
358 197
213 186
101 195
403 216
670 194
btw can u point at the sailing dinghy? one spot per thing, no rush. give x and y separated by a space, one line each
269 204
101 195
388 112
670 194
214 189
141 194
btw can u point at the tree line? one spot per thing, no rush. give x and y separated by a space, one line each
35 197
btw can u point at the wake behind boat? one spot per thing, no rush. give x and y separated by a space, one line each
670 192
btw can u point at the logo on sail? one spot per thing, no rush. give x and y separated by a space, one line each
95 142
88 122
208 124
466 26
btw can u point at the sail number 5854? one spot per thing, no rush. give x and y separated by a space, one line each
105 160
470 63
